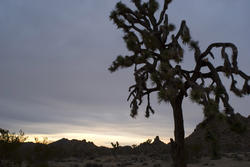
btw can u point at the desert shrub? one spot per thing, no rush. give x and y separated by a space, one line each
205 164
157 165
215 148
238 127
9 144
93 165
41 152
41 164
193 153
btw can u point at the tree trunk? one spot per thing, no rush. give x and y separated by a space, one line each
177 146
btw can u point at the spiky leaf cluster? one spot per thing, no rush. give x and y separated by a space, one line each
157 57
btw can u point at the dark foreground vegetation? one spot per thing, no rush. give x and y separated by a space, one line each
212 138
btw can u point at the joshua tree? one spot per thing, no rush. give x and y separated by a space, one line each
115 148
157 54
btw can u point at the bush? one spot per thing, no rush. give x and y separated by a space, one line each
93 165
193 153
238 127
40 164
9 144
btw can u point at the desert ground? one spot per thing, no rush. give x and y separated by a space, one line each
227 160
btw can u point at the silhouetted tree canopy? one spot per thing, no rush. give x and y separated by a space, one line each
158 54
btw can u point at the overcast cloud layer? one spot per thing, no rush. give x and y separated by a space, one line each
54 56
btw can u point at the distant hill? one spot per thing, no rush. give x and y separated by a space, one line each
218 134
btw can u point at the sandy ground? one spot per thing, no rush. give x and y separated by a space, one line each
227 160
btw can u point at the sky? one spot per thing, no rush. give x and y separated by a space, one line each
54 59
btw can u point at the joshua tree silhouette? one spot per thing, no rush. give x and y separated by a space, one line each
157 57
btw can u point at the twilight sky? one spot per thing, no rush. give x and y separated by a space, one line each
54 56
